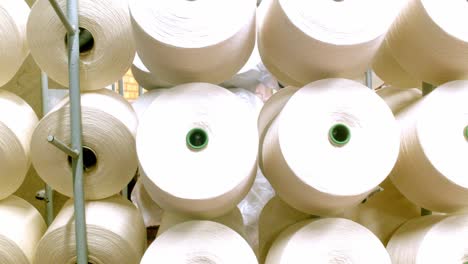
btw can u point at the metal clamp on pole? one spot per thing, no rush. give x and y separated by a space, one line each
49 193
427 88
73 153
71 23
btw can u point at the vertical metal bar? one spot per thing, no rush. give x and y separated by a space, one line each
45 93
121 87
76 133
49 198
113 87
369 78
50 205
121 92
426 89
140 90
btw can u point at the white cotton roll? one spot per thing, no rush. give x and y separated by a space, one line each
194 41
144 77
17 123
399 98
262 8
144 101
232 219
431 239
273 107
13 45
153 215
115 232
110 160
431 169
387 210
197 146
103 62
249 76
327 240
150 210
21 228
429 40
388 68
304 41
334 141
270 110
384 212
275 217
199 242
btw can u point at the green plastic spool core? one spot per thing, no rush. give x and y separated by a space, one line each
197 139
89 159
339 135
466 137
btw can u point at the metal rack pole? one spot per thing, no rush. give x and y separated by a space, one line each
369 78
121 87
121 92
140 90
49 193
76 132
426 89
71 22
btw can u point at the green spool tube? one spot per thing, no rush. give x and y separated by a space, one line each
197 139
339 135
466 137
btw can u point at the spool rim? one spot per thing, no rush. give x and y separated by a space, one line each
339 135
197 139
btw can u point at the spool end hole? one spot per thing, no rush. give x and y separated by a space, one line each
89 159
197 139
86 40
339 135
